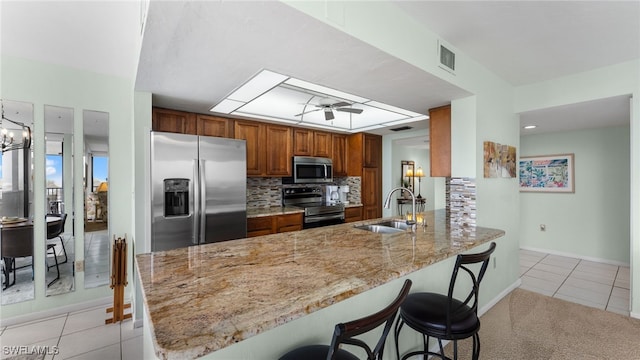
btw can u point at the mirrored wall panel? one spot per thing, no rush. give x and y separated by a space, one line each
58 122
16 202
96 198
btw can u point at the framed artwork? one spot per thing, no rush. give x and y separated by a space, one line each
550 173
499 160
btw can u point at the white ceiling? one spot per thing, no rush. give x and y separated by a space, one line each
195 53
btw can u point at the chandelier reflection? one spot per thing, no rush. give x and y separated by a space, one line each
8 128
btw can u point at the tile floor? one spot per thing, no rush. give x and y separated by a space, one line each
76 335
83 334
594 284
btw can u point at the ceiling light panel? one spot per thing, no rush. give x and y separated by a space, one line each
227 106
325 90
275 97
393 108
259 84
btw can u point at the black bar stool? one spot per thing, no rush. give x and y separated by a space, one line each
344 334
443 316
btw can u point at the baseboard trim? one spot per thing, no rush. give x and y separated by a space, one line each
138 323
106 302
576 256
499 297
634 315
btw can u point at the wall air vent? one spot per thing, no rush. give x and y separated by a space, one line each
446 58
401 128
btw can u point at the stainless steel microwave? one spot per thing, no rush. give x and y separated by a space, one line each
312 170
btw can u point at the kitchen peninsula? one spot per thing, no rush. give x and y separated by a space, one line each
218 300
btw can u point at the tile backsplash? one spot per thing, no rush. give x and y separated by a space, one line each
264 192
461 203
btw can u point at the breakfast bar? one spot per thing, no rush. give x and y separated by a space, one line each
209 300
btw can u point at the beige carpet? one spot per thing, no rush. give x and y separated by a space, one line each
527 325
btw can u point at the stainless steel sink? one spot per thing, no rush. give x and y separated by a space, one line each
379 229
396 224
386 227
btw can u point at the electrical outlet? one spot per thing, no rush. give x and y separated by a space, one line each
79 265
543 227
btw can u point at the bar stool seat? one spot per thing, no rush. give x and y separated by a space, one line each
345 333
429 310
312 352
443 316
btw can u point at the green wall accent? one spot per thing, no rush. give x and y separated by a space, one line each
593 222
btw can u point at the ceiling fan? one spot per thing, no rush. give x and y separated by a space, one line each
327 107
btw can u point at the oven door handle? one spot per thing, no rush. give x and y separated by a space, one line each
315 219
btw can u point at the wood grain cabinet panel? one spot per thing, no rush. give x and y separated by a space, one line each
364 160
352 214
302 142
339 154
371 193
253 133
372 151
289 222
259 226
278 150
214 126
173 121
322 144
440 141
265 225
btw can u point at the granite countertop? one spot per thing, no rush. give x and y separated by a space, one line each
204 298
272 211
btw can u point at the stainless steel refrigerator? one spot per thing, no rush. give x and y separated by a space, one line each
198 190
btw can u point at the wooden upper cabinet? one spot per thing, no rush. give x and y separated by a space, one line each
372 151
440 141
302 142
278 144
214 126
322 144
173 121
311 143
339 154
253 133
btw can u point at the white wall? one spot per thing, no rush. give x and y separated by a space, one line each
615 80
593 222
489 112
46 84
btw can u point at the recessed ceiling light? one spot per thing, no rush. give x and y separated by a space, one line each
528 127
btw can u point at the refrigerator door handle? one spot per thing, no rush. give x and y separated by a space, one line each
203 204
196 201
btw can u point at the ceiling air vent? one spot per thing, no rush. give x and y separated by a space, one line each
446 58
401 128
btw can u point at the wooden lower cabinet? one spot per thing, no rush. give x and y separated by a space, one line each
352 214
371 193
265 225
259 226
289 222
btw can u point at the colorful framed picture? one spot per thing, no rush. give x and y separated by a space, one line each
550 173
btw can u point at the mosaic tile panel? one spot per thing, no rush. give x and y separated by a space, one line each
461 203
